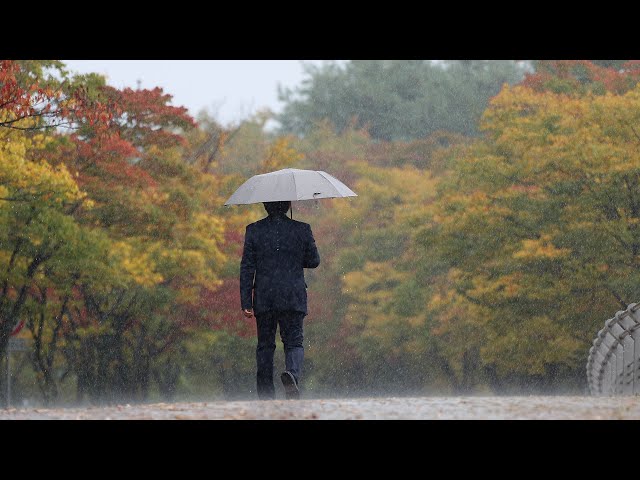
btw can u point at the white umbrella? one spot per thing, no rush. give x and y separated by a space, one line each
289 184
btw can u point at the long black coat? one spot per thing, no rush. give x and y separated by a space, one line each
277 249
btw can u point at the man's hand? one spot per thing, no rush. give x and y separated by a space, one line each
248 312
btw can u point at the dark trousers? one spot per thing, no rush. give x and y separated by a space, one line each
291 334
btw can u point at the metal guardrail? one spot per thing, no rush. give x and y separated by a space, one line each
613 367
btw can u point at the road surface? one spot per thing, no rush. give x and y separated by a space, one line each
528 407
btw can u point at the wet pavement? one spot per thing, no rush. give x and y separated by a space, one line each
466 408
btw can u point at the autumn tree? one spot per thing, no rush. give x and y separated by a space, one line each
110 234
577 77
158 212
536 226
36 197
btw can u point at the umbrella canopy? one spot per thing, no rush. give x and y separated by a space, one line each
289 184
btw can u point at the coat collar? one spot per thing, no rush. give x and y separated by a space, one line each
277 217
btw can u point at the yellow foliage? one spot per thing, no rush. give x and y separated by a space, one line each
371 294
139 265
281 154
540 248
34 180
540 218
504 286
528 349
388 196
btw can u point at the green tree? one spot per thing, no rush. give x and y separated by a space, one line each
396 99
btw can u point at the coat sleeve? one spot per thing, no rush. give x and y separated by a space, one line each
311 255
247 270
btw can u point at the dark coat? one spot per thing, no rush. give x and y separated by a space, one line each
277 249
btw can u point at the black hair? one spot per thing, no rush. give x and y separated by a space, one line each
274 208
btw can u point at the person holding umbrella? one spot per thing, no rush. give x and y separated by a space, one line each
276 251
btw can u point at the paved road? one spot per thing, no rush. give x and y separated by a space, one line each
531 407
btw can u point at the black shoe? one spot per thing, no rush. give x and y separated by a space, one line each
290 386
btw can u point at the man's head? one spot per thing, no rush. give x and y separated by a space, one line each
274 208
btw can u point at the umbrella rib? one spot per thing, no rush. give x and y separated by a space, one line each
295 186
336 187
328 180
255 186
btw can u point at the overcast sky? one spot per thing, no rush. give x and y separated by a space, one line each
230 89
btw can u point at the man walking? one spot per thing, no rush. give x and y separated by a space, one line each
276 251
